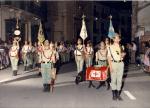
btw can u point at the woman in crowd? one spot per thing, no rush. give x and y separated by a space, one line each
147 57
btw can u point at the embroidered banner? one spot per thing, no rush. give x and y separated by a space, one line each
96 73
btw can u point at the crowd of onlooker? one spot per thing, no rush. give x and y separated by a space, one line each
139 55
4 57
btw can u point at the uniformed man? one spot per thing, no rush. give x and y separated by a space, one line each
46 66
101 60
25 50
39 52
62 51
89 53
30 55
54 59
34 55
14 58
116 65
79 56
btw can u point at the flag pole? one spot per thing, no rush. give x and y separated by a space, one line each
110 18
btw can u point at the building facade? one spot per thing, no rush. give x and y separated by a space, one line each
28 13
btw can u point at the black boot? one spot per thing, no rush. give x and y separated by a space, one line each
108 85
52 85
25 68
114 95
100 84
48 88
39 74
15 73
44 87
118 96
91 84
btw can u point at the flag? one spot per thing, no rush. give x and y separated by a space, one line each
83 32
111 32
96 73
41 37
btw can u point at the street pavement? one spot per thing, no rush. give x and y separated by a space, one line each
25 90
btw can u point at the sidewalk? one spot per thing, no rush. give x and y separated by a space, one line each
6 74
67 73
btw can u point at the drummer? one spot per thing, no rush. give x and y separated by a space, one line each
14 58
116 65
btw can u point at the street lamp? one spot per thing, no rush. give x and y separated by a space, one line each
17 32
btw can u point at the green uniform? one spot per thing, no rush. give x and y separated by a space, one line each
117 67
89 56
79 58
13 53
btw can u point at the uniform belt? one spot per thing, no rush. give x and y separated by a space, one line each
102 60
117 61
79 55
45 62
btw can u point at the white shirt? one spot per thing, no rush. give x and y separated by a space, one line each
134 48
14 51
46 55
89 50
114 52
79 50
25 48
101 55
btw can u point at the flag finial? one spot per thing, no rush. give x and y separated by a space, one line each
110 16
83 16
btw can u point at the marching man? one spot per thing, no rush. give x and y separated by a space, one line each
101 59
46 65
62 51
79 56
89 53
14 58
116 65
39 52
54 59
25 50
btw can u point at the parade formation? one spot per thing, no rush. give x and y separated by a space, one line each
104 64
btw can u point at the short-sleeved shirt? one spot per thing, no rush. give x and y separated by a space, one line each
114 52
25 48
79 50
46 55
101 55
14 51
89 50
